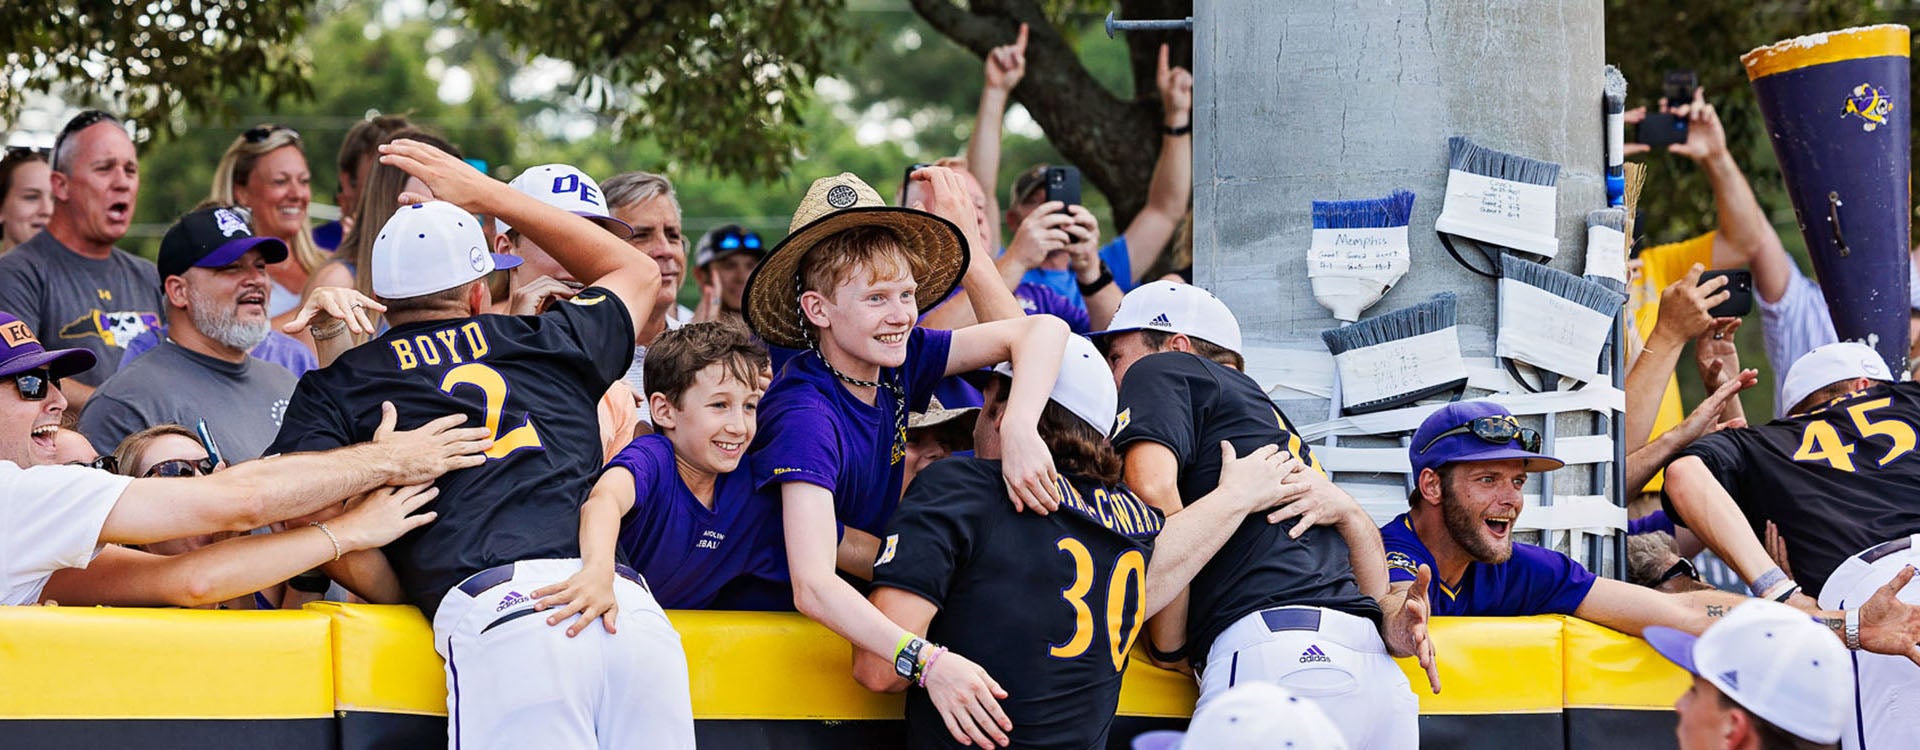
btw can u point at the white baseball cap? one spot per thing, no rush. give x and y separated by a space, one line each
1085 386
1831 364
1774 661
1176 308
1252 716
568 189
431 247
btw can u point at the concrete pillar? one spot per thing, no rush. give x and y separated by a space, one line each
1348 99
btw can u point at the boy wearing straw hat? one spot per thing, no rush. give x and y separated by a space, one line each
848 284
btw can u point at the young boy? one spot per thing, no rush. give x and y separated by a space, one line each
848 283
678 505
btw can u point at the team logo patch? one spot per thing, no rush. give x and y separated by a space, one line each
1121 420
778 472
842 196
886 555
1314 654
477 258
229 222
588 300
1871 104
17 333
115 328
1401 561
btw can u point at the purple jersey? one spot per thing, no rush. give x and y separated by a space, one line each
729 557
1535 581
813 430
1036 299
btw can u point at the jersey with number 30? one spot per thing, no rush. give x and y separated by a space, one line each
533 380
1048 605
1837 480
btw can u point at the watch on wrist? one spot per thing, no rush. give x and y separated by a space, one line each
1091 288
1683 567
312 582
906 658
1179 131
1853 629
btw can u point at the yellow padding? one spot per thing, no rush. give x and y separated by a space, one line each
1154 692
87 663
1885 40
1492 665
1609 669
773 665
383 659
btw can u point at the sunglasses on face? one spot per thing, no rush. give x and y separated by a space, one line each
34 384
737 240
103 463
181 467
1496 430
263 132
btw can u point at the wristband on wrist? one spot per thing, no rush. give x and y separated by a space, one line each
1767 581
928 666
1179 131
1787 592
1105 278
312 582
331 538
1853 629
322 334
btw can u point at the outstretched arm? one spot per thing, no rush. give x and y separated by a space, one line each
1006 65
1172 185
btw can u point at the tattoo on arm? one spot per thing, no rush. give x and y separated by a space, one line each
1835 624
1716 610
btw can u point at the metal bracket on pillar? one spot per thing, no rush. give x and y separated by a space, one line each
1171 24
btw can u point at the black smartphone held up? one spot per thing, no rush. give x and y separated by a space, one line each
906 183
1678 87
1063 184
1739 291
1661 129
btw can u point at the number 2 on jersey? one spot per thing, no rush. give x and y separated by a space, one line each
494 387
1821 442
1123 625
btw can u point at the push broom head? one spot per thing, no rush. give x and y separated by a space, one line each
1397 358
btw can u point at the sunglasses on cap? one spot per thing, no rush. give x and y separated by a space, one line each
181 467
737 240
21 152
103 463
260 133
1498 430
81 122
34 384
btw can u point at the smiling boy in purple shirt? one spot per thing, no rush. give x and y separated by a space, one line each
678 505
848 284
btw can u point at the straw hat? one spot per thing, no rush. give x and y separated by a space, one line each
937 414
832 204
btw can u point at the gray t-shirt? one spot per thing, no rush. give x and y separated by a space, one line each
75 302
241 401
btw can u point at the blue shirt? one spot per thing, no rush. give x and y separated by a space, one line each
1064 283
813 430
693 557
1535 581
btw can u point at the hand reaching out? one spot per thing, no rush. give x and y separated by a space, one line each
1176 91
1007 64
1684 305
330 303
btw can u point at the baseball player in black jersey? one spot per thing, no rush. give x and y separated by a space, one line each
1291 604
1053 603
1840 478
509 527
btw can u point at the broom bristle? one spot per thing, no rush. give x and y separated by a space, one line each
1395 210
1437 314
1613 87
1467 156
1636 179
1588 294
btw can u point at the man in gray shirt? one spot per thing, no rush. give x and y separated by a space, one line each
214 272
69 282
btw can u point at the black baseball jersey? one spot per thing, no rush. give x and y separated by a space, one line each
1048 605
1189 404
1836 481
534 380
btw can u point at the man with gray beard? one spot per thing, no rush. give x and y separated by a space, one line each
213 277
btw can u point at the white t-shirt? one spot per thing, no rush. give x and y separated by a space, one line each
50 519
634 376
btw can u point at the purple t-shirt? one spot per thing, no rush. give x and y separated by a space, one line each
730 557
813 430
1535 581
1037 299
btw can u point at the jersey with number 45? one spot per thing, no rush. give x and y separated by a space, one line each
1836 480
1048 605
532 380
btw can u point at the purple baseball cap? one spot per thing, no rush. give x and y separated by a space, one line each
20 352
211 238
1433 448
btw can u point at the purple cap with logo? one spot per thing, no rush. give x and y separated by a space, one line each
20 352
1430 450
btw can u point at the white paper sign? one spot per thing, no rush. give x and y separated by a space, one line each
1400 367
1511 214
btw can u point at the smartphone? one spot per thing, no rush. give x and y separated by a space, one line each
1678 87
1739 290
1063 184
1660 129
907 191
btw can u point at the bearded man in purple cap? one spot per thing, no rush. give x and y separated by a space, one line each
1470 461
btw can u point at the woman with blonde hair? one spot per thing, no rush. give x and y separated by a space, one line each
265 171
